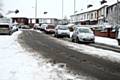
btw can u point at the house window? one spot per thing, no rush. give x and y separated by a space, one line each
95 15
111 9
87 16
84 16
91 15
115 9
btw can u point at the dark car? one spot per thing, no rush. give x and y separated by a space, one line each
50 28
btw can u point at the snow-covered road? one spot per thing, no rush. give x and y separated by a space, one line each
18 64
101 53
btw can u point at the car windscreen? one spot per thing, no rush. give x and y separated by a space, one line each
63 28
83 30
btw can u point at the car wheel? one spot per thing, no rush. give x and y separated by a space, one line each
72 39
57 36
68 36
77 40
9 33
118 41
54 35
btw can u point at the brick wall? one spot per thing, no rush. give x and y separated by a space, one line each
105 34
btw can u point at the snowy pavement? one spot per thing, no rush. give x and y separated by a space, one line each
18 64
108 41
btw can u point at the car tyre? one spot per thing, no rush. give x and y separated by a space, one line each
118 41
77 40
57 36
72 39
10 33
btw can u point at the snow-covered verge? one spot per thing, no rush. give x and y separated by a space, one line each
104 40
18 64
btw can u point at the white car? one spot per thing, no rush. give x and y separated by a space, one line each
83 34
36 26
62 31
43 26
14 28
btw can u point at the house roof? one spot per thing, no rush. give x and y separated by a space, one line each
96 7
15 15
113 4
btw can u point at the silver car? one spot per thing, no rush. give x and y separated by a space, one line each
62 31
5 28
83 34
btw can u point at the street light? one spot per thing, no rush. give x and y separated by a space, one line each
74 7
62 8
35 9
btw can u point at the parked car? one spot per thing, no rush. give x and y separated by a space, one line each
83 34
14 28
42 28
118 35
5 28
62 31
50 28
25 27
37 26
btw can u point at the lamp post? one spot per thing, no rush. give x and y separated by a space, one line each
74 7
62 10
35 9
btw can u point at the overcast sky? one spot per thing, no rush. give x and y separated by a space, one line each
53 7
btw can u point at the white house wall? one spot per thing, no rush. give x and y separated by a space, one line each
114 14
101 14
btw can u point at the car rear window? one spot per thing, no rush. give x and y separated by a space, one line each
85 30
63 27
4 26
50 27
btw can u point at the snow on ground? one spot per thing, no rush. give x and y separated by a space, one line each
18 64
107 41
104 40
97 52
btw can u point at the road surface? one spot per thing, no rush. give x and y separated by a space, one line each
75 61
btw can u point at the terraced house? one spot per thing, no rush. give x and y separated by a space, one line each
103 18
98 15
